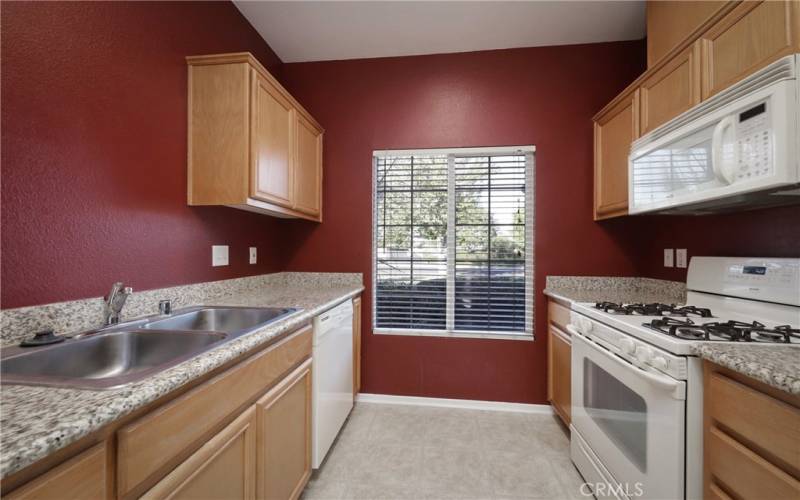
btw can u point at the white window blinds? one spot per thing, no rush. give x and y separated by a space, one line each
453 242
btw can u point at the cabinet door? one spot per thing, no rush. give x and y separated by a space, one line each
272 176
671 90
284 437
614 131
83 476
223 468
308 169
751 36
356 346
559 354
670 22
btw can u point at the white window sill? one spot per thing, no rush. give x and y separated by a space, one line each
528 337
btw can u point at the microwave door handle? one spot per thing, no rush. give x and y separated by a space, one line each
721 170
666 383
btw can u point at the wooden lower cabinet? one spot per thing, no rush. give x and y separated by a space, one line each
223 468
559 362
356 346
751 438
81 477
152 445
283 447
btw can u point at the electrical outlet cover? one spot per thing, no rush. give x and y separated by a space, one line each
253 255
669 258
219 255
680 257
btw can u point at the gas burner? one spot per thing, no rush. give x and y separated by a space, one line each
611 307
729 331
780 334
697 311
653 309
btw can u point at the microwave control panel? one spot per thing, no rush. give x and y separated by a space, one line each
753 143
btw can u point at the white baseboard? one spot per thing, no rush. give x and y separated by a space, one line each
467 404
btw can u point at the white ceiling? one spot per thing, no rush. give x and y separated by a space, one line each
329 30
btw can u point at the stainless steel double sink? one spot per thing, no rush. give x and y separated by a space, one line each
128 352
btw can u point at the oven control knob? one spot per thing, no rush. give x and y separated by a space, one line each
659 362
644 353
627 346
586 326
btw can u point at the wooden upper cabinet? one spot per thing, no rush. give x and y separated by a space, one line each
223 468
748 38
670 22
273 137
308 180
671 90
615 128
252 146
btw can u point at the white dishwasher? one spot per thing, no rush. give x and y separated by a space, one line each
332 377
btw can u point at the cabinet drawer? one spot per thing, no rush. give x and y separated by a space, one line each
557 314
751 36
741 471
83 476
671 90
158 441
766 424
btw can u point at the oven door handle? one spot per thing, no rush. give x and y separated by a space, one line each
675 387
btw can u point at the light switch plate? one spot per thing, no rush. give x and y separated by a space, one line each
219 255
669 260
680 257
253 255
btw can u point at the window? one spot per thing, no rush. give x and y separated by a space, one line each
453 242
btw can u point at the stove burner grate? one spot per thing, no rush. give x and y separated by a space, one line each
653 309
729 331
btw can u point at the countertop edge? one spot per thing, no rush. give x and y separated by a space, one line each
750 366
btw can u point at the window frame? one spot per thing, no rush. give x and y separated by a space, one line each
530 177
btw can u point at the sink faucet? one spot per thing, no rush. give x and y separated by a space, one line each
115 300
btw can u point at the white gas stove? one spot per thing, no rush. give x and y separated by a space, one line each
637 384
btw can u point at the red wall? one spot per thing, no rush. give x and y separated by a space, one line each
773 232
542 96
94 150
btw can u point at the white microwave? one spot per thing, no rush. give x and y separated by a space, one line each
737 150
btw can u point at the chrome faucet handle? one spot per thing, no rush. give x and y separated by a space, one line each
115 288
165 306
115 301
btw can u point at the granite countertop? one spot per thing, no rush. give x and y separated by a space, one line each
36 421
614 289
775 365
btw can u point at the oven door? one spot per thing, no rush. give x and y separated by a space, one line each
632 419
